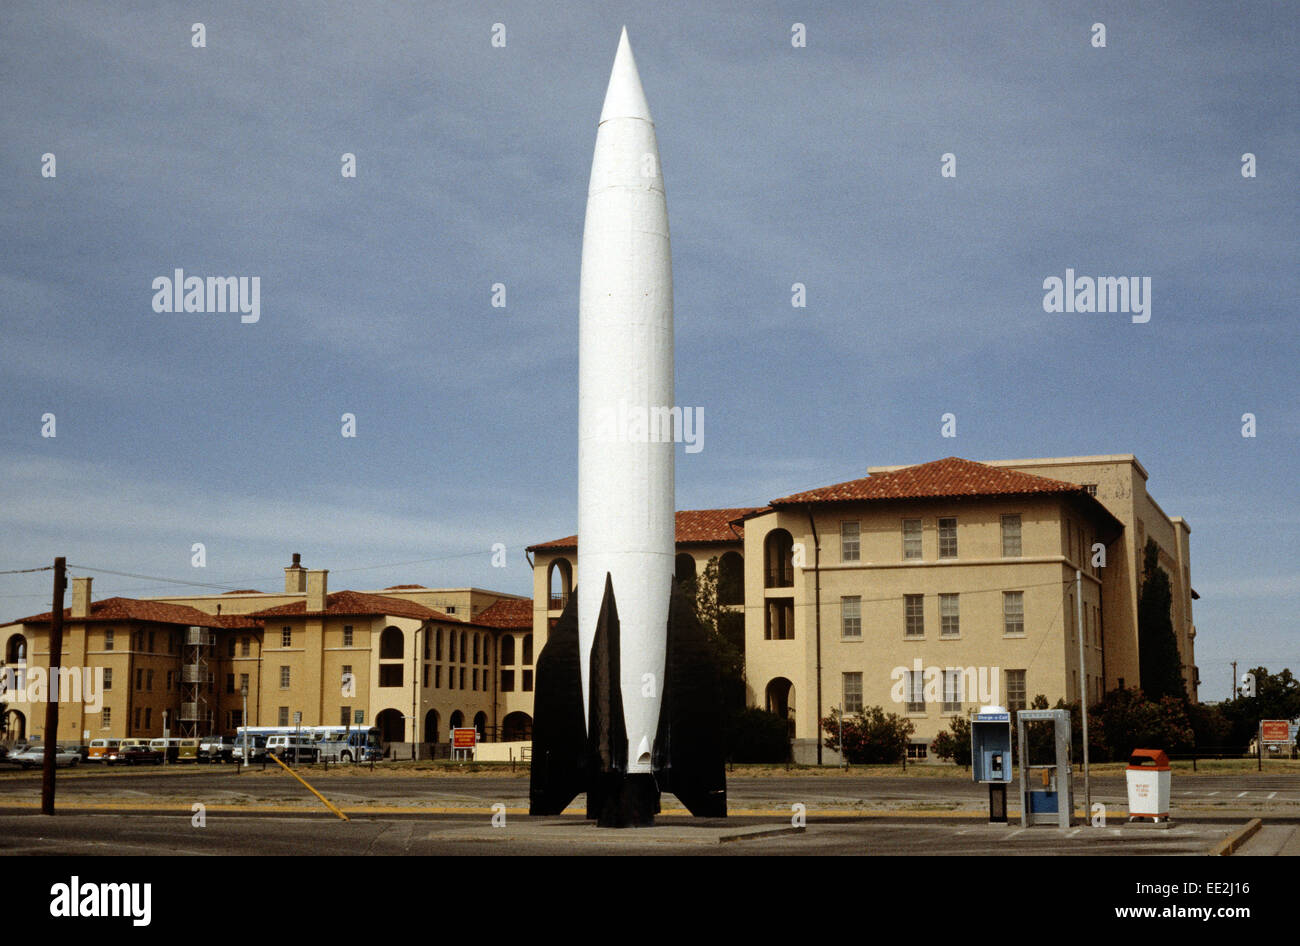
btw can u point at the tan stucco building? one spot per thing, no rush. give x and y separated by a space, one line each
410 660
930 589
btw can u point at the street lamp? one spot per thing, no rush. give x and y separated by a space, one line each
243 691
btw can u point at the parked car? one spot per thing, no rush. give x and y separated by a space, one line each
34 757
134 755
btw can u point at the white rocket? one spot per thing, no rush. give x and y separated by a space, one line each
627 702
625 370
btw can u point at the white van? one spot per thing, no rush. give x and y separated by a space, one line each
291 748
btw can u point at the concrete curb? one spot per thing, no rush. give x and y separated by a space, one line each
1235 840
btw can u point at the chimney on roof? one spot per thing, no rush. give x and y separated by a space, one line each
81 597
317 589
295 577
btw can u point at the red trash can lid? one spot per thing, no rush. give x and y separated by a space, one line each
1149 759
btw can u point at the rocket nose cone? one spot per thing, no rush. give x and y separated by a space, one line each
624 98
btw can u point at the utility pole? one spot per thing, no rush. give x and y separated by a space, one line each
52 688
1083 689
1234 680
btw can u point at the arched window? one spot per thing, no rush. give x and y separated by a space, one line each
391 643
778 559
16 650
463 646
475 651
559 582
528 650
437 646
731 579
684 567
507 650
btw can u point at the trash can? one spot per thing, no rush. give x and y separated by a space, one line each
1148 785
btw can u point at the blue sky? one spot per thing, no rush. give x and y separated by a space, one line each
817 165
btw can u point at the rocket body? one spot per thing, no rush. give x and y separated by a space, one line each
625 390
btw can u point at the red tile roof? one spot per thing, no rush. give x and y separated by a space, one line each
356 602
695 526
242 591
156 612
949 477
402 587
508 613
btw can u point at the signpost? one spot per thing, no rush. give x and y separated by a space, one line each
464 740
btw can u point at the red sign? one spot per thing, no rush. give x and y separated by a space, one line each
1274 730
464 738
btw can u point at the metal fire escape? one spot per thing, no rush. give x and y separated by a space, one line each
195 718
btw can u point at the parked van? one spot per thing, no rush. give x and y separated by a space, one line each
99 748
256 748
292 749
177 749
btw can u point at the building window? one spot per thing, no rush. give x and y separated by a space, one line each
507 681
283 716
1011 536
917 750
914 615
151 642
390 675
462 656
171 642
437 677
230 647
1015 690
462 677
915 691
347 635
948 537
345 716
507 655
528 681
952 678
778 559
108 678
850 544
230 682
148 717
949 619
780 620
139 679
475 649
424 680
851 617
911 538
1090 489
106 717
528 650
852 693
137 718
108 639
1013 612
473 683
286 637
235 719
284 678
426 643
437 645
243 647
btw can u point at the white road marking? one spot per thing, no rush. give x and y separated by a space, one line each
1241 794
1272 794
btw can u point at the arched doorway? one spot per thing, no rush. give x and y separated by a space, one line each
431 726
15 725
517 727
392 727
16 650
391 643
480 723
457 720
779 699
507 649
559 582
778 559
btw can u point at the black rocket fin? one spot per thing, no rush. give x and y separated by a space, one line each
689 757
560 755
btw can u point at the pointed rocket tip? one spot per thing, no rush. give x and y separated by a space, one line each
624 98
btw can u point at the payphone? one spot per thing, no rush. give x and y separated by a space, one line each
1046 791
990 755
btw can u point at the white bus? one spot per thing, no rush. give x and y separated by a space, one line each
335 743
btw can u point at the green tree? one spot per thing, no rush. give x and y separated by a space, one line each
870 737
954 742
1276 696
1129 720
755 735
719 623
1159 664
